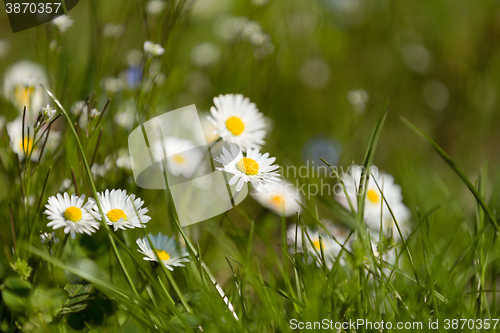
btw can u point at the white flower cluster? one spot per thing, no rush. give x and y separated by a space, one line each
121 211
230 28
153 49
48 111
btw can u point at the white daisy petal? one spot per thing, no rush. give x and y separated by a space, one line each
248 168
238 121
68 212
299 242
377 211
120 210
171 253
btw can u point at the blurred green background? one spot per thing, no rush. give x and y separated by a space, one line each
319 70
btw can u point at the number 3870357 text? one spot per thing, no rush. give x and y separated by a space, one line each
29 7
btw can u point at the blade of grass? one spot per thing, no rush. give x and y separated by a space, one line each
107 287
458 171
94 192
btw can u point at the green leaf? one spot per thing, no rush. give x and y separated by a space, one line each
72 289
17 286
73 309
77 289
136 307
13 301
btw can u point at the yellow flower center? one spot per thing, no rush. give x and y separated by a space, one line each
163 255
317 244
235 125
373 196
277 200
26 145
73 214
23 95
248 166
116 214
179 159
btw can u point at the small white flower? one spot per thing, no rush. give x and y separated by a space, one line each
72 214
255 167
250 29
21 86
63 23
417 57
155 7
183 158
123 159
113 30
228 27
296 237
358 98
133 58
30 200
153 49
121 210
126 117
205 54
46 238
66 184
94 113
111 85
81 109
376 209
315 73
78 108
48 111
238 121
171 253
283 198
53 140
100 170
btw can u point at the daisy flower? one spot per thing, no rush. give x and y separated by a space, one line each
72 214
255 167
21 85
283 198
171 253
376 209
238 121
182 156
296 236
121 210
29 145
